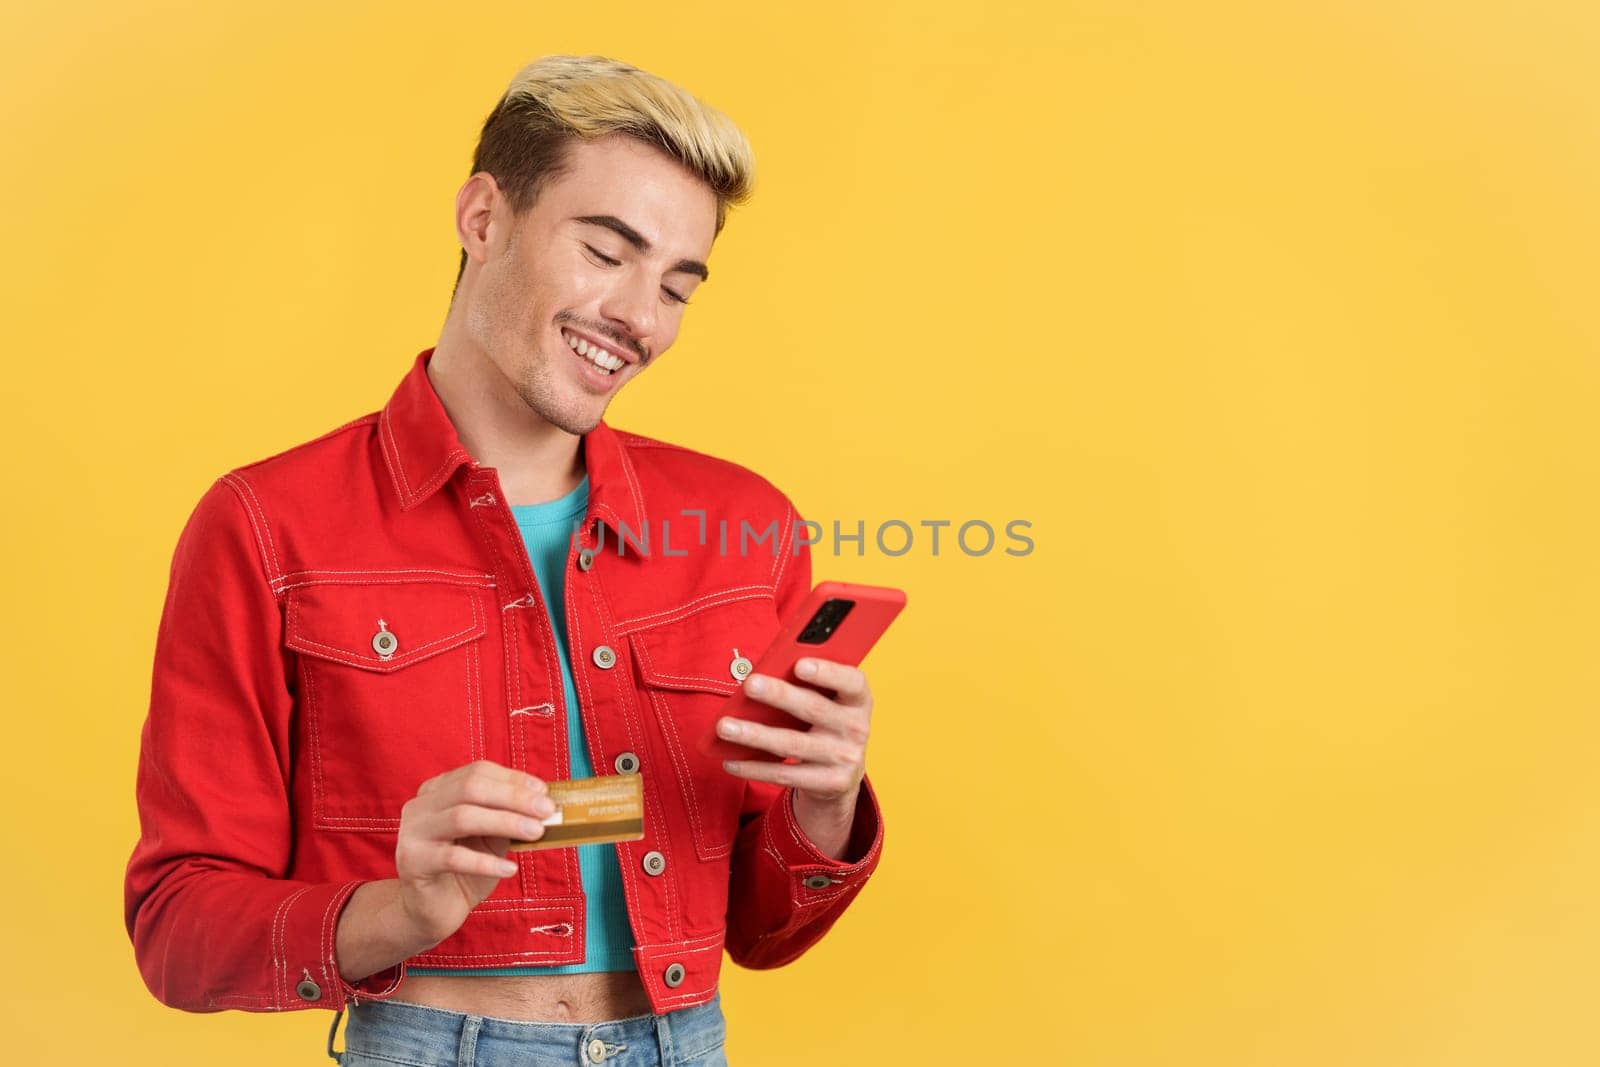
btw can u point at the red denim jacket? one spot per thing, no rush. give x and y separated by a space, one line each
284 734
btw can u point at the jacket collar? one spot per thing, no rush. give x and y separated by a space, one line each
423 450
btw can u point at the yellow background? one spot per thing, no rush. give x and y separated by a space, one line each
1275 320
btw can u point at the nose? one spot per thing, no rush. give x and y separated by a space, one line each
631 307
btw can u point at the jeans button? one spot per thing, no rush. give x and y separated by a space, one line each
654 862
596 1050
586 559
383 642
740 668
604 658
673 975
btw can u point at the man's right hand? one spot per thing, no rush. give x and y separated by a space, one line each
454 836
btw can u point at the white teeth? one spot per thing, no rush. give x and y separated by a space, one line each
594 353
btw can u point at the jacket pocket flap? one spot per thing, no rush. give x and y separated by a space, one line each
699 651
382 627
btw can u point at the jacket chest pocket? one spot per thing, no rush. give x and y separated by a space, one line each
686 670
390 692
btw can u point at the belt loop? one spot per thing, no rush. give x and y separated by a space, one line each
467 1050
663 1036
337 1057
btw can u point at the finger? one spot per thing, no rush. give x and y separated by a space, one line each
812 777
459 859
523 793
799 701
477 769
497 773
468 820
850 683
803 745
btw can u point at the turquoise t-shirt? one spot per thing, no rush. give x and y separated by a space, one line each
547 532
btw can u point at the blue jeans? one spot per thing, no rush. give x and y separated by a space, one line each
398 1032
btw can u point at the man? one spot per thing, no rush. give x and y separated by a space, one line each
378 648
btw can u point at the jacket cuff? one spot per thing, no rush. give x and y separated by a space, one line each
305 950
814 875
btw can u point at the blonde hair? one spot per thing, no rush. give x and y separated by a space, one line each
555 99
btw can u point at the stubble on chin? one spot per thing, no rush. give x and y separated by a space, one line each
539 389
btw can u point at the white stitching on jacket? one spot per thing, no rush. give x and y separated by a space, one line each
269 559
391 576
280 949
785 540
722 596
545 710
638 739
392 449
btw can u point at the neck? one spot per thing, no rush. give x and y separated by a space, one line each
536 460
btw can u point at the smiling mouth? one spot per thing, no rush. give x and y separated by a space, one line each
603 361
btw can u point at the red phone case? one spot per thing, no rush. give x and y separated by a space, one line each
875 608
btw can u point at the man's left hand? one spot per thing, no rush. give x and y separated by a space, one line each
832 755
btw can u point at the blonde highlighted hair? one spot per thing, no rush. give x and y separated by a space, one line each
555 99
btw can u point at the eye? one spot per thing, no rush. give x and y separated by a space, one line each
675 297
602 257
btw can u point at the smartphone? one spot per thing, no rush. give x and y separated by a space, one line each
838 621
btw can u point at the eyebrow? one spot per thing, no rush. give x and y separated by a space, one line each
637 240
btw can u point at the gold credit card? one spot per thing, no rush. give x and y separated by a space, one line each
608 807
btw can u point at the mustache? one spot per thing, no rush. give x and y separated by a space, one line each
608 334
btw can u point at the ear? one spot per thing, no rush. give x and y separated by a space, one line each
479 207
